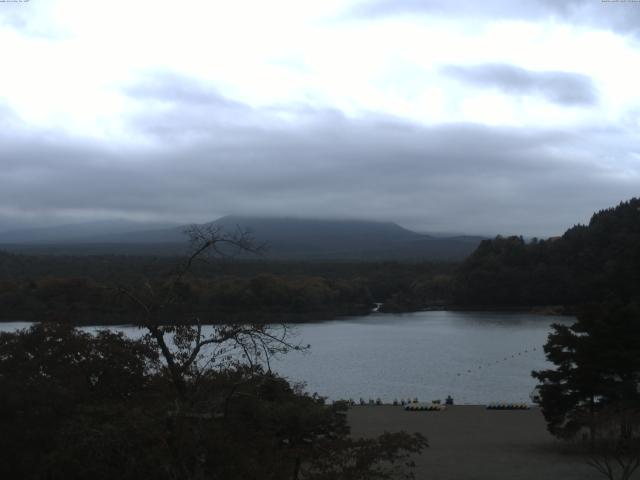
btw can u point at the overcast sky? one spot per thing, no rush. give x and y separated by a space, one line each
493 116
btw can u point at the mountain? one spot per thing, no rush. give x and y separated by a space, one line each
286 238
78 232
348 239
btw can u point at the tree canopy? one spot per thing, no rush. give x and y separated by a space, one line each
596 262
597 362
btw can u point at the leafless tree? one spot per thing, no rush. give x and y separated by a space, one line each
186 347
615 452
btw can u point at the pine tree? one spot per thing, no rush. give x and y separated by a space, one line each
597 363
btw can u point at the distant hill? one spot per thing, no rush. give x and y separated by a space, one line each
78 232
353 239
286 238
595 262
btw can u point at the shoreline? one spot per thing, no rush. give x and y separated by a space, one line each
552 310
302 318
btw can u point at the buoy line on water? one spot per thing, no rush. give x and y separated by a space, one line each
493 363
486 367
410 404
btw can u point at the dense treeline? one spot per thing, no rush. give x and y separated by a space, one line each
86 289
84 301
596 262
110 268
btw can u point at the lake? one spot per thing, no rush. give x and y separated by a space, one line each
476 357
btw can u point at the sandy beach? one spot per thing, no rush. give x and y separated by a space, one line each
469 442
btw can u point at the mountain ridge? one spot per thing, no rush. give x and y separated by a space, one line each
286 237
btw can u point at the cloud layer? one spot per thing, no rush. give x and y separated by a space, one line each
318 163
620 16
480 117
565 88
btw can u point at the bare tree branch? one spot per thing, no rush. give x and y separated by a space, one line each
188 342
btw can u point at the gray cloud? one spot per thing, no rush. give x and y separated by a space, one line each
170 87
560 87
177 107
456 177
622 16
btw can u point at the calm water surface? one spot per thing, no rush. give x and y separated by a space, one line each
477 357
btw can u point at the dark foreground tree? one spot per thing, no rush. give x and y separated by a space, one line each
70 400
597 363
185 401
616 447
76 405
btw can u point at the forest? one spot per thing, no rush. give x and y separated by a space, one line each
589 263
595 262
85 290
